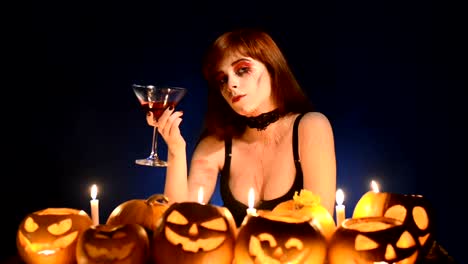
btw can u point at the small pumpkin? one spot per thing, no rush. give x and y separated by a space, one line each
268 237
50 235
371 240
144 212
414 211
116 244
190 232
308 204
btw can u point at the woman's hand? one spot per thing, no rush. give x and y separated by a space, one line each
168 126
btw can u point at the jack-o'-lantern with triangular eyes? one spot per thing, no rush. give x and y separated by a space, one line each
190 232
370 240
269 237
414 211
50 235
116 244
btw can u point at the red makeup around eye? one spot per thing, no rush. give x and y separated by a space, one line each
242 64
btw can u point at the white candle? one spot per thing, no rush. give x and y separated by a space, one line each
251 210
340 208
94 205
200 195
374 186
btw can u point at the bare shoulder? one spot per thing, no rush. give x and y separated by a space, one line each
210 148
207 158
314 121
210 142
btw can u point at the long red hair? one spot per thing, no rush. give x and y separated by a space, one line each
220 119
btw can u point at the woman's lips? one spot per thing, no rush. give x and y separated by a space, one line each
236 98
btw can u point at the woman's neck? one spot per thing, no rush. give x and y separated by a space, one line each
263 120
272 134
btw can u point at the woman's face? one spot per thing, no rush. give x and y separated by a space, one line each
245 85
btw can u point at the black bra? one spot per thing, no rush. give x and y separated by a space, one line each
237 208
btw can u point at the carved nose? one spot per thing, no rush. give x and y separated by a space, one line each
193 231
278 252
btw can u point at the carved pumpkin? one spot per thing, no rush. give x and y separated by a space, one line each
194 233
271 238
116 244
139 211
371 240
308 204
50 235
414 211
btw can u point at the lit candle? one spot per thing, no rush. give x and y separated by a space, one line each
251 210
94 205
340 208
374 186
200 195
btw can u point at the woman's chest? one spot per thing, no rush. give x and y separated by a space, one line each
268 168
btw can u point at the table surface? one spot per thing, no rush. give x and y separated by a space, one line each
436 255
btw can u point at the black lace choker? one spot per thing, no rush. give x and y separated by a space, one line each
262 121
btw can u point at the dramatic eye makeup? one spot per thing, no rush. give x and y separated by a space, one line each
242 67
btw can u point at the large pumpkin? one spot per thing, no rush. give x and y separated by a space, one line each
308 204
371 240
50 235
139 211
190 232
414 211
116 244
271 238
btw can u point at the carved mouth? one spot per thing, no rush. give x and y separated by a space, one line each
47 248
259 256
205 244
109 254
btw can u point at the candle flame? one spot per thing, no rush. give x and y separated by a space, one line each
94 191
339 197
374 186
251 197
200 195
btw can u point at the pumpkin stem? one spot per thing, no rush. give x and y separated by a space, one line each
157 198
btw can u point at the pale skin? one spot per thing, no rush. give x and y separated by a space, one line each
262 160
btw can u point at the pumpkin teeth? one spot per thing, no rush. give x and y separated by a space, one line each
206 244
48 248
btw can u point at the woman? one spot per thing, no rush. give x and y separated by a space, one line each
260 132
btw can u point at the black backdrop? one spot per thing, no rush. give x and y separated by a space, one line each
389 75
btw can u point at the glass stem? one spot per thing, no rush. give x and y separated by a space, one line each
154 146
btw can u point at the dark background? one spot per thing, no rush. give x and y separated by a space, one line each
390 76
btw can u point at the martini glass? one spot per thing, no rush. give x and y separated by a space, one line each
156 99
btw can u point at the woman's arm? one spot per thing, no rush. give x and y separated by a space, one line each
207 161
317 154
205 165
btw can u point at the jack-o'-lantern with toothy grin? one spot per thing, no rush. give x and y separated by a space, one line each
50 235
190 232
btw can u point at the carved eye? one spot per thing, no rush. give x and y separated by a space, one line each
60 227
406 240
101 236
177 218
30 225
397 212
119 235
268 238
365 243
217 224
420 217
294 242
